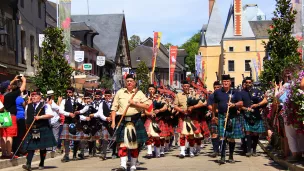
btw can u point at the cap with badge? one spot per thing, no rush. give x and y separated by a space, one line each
132 76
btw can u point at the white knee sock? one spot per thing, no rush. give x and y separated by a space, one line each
123 161
149 149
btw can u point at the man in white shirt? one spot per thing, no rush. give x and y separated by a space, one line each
54 121
103 113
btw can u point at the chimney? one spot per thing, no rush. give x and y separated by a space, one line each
237 17
211 3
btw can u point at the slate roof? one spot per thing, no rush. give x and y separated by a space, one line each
229 30
80 26
181 56
163 49
260 28
51 9
215 27
109 28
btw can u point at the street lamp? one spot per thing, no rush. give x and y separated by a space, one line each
3 35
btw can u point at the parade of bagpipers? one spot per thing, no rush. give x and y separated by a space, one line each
126 85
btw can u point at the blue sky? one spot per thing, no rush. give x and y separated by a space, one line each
178 20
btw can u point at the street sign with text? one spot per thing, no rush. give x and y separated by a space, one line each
87 67
101 60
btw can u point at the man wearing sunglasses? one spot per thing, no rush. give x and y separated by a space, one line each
254 125
68 106
103 113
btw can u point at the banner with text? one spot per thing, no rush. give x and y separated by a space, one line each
65 24
172 62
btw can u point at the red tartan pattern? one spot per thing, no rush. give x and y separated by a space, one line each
147 124
65 135
165 132
180 125
205 129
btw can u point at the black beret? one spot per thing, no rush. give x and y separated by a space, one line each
108 92
151 85
130 76
71 89
216 83
226 77
98 93
248 78
185 82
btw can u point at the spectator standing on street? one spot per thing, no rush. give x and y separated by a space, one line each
10 106
20 106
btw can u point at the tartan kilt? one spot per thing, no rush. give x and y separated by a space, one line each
147 124
237 127
171 129
65 134
196 124
46 140
180 125
95 137
105 133
165 132
205 129
213 127
141 133
258 126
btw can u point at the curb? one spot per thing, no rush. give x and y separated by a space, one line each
289 166
22 160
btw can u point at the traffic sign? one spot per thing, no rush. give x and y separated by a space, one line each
87 67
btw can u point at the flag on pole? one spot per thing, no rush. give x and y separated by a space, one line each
198 64
172 63
65 24
259 62
156 44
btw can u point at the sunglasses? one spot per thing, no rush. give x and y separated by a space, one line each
249 82
107 95
69 92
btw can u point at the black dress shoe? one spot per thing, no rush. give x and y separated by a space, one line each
222 160
65 159
81 156
119 169
181 156
231 160
103 157
27 167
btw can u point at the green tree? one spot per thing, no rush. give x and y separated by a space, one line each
106 82
53 71
167 45
142 74
134 42
192 47
282 46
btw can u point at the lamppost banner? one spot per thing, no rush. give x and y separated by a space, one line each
65 24
172 62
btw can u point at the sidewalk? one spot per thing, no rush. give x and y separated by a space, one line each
274 155
5 163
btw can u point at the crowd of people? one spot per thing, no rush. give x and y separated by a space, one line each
132 120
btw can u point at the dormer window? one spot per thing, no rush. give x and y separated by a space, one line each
138 59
